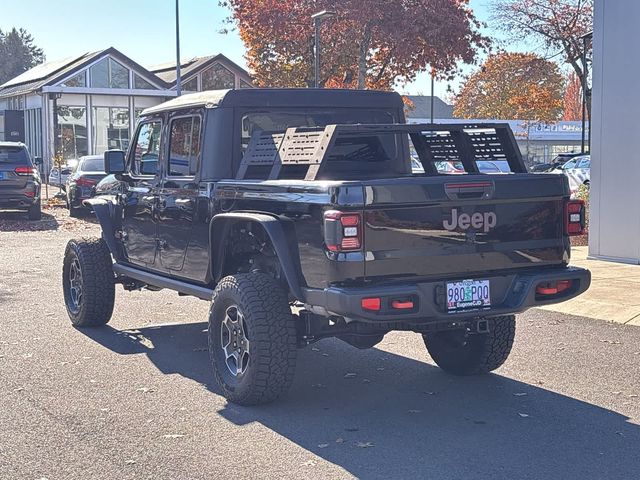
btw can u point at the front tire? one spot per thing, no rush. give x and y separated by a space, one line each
252 338
88 282
460 353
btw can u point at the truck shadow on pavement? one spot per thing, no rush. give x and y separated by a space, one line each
380 415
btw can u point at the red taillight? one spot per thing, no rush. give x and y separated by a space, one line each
342 231
25 171
371 304
575 217
85 182
553 288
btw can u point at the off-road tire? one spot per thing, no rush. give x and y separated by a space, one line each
460 353
95 306
35 211
271 334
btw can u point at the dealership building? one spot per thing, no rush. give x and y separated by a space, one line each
87 104
538 142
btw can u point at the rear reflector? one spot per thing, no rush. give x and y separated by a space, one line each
371 304
402 304
575 217
553 288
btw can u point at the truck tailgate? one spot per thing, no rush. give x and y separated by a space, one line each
458 226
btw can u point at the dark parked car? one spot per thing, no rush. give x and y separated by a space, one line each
81 184
557 162
257 200
110 185
19 180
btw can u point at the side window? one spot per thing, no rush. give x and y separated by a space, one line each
184 146
146 149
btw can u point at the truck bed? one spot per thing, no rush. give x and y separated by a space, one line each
404 237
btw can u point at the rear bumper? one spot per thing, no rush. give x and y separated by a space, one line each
510 294
77 196
17 201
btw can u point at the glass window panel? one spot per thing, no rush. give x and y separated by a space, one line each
218 78
71 137
139 82
147 149
119 75
100 74
184 146
244 84
137 112
79 80
110 129
191 85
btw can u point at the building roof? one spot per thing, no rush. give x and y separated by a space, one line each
42 74
51 72
283 97
167 71
422 107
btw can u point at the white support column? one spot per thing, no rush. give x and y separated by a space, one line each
614 229
89 108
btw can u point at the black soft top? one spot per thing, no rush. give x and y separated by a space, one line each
282 97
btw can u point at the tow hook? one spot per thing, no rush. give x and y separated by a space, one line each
482 326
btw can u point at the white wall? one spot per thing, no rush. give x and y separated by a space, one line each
33 101
614 231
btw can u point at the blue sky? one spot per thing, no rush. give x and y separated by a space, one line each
144 30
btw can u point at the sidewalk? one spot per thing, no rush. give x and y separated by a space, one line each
613 295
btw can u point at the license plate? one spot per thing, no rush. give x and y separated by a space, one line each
468 295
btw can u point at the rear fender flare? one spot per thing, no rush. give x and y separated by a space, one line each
281 232
109 214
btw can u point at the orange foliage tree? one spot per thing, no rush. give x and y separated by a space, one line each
557 24
368 44
513 86
573 98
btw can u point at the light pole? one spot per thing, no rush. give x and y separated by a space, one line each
432 85
585 39
317 20
178 79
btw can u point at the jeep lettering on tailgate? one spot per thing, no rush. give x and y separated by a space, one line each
464 221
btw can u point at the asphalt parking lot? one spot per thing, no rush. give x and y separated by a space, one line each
136 399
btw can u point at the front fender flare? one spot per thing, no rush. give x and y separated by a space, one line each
109 214
281 232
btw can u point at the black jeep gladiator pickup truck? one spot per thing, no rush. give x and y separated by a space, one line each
296 213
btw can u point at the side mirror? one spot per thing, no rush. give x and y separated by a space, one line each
37 161
114 161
